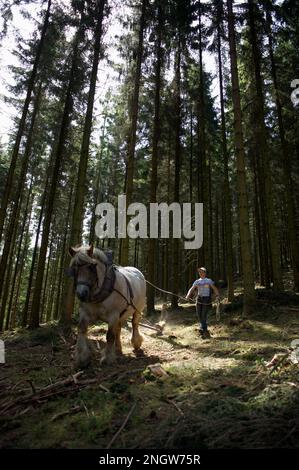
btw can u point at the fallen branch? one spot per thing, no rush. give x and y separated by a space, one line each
122 426
279 363
46 392
285 307
176 406
73 409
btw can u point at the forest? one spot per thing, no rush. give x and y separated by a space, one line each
161 101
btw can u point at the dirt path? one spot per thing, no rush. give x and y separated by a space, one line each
215 393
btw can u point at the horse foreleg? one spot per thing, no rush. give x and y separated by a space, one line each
109 353
82 354
137 338
118 347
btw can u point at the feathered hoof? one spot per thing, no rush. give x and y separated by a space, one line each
82 363
137 342
108 359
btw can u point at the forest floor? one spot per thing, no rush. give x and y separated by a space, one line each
215 393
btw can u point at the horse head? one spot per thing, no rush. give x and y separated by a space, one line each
87 267
83 269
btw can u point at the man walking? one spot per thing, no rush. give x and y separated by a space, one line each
203 301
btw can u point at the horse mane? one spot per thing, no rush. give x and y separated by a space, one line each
99 255
81 256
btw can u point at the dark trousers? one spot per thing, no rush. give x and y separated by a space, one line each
202 310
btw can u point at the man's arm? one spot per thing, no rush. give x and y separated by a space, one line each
216 291
190 292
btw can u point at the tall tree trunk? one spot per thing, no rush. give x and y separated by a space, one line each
26 312
288 183
6 280
58 154
210 212
259 203
78 211
227 195
64 285
97 186
13 217
223 243
46 296
166 273
217 273
261 136
191 168
21 128
177 170
154 163
20 273
204 255
245 241
11 231
134 108
24 231
53 286
258 224
63 256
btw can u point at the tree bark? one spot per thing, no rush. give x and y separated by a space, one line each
177 170
78 211
97 186
21 128
13 217
134 108
24 231
20 270
203 254
288 183
227 194
261 136
58 153
62 263
245 239
26 308
154 163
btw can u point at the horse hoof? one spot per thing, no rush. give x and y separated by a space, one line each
82 364
139 352
107 360
137 342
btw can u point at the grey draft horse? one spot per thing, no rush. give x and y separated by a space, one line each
107 293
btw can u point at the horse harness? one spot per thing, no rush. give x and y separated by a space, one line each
107 287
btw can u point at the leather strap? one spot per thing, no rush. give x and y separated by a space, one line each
107 286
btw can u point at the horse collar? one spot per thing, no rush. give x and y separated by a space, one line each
107 286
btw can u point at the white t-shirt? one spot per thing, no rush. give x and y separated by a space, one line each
203 286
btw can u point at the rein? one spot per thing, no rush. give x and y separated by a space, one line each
107 287
178 296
